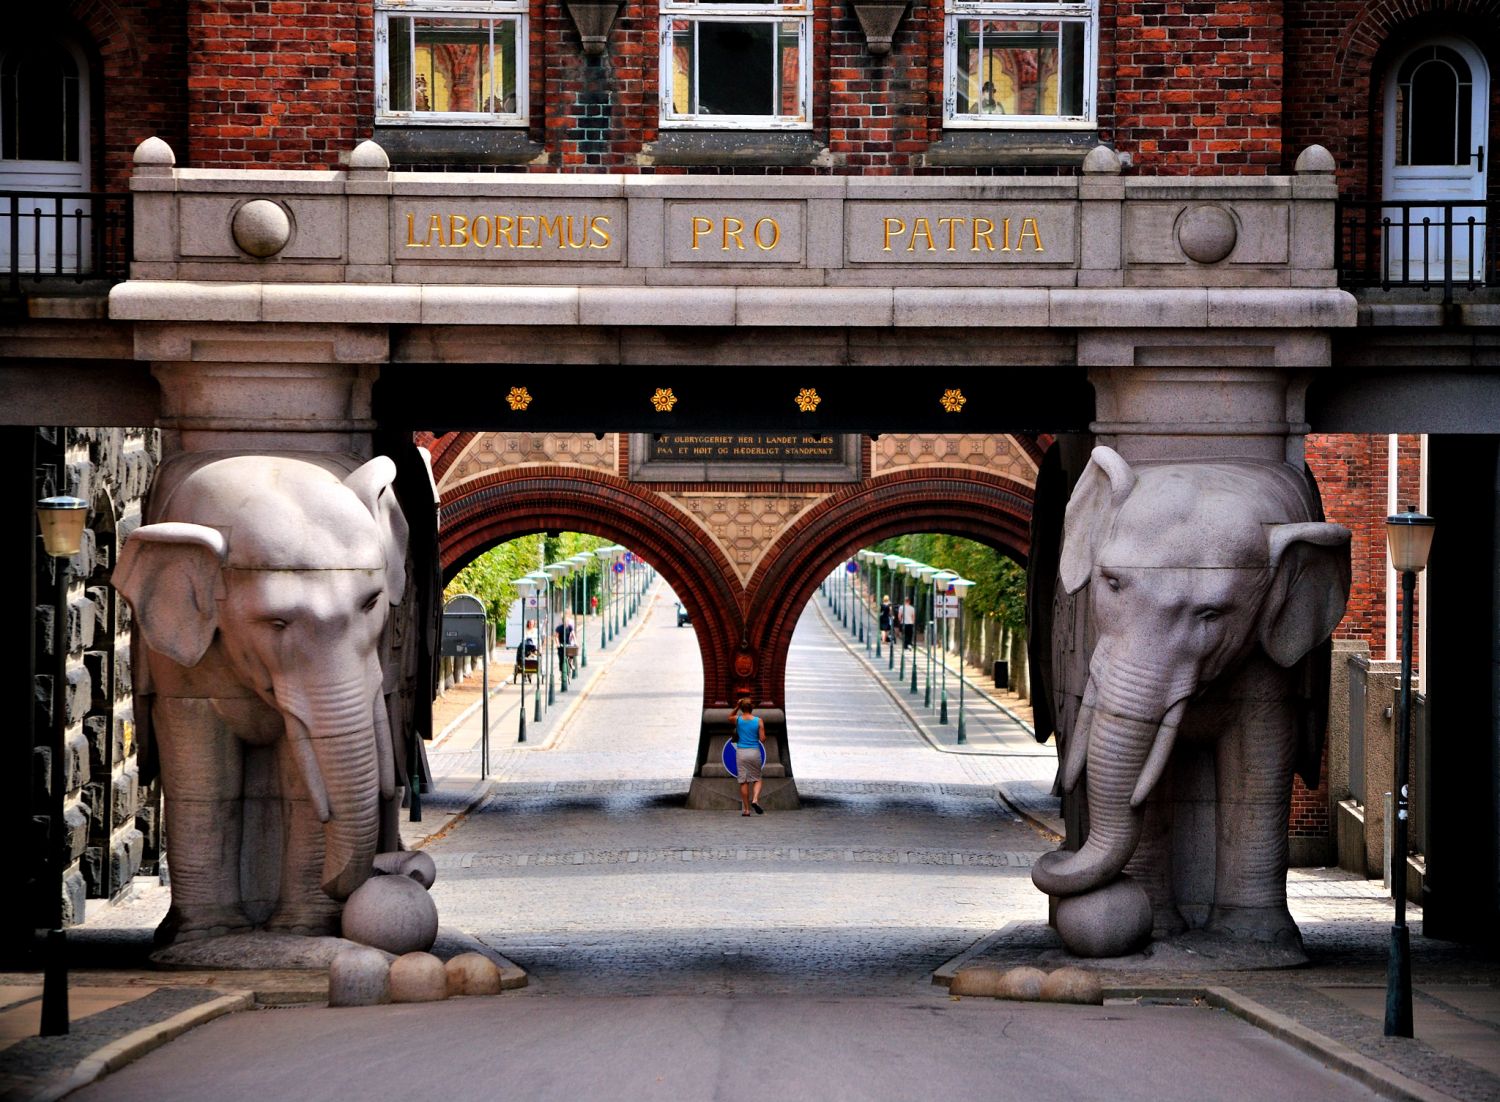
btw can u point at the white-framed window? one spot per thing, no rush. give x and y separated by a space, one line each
736 64
1020 65
451 62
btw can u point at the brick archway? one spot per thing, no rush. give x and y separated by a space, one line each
484 512
979 506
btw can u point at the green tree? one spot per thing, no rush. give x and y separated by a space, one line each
491 575
999 582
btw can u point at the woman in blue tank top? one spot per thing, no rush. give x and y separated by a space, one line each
749 733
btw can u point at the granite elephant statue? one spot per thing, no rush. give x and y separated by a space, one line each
260 587
1199 597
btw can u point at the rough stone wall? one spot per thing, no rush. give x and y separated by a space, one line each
1337 51
279 83
1193 87
112 818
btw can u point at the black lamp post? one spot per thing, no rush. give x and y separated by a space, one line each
61 520
1409 536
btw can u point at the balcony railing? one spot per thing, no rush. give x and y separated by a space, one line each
1420 244
49 238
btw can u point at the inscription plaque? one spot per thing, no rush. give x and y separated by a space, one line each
744 457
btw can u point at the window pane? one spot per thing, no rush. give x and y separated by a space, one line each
737 68
466 66
1019 68
1434 105
39 90
684 95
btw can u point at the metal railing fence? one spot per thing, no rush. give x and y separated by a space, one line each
51 236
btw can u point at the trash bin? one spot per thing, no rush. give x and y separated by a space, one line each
1002 674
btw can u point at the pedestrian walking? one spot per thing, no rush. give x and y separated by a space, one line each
565 651
885 619
908 625
749 733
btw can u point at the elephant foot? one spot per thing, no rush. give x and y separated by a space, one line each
304 921
1167 922
1266 925
184 924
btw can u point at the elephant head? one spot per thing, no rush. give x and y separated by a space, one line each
1189 568
292 571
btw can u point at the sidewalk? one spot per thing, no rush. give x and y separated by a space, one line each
996 724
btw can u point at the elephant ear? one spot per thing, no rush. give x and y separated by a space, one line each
171 574
373 484
1105 484
1309 588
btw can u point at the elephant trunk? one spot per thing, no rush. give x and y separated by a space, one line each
335 749
1128 743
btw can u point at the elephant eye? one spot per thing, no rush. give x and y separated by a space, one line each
1111 581
1209 615
277 624
371 602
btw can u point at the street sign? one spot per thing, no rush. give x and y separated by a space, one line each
945 612
852 567
619 568
731 759
463 631
947 600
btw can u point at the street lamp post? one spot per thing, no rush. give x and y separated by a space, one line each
893 564
61 520
1409 536
876 560
606 557
940 585
929 630
857 611
960 587
914 571
526 587
583 559
543 582
559 571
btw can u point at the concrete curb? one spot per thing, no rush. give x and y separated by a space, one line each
131 1047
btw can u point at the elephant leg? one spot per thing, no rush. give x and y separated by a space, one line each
1254 774
1151 865
203 781
303 907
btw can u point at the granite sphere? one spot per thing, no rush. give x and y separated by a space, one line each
1107 922
359 976
418 978
393 913
472 974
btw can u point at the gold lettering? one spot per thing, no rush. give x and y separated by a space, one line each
487 224
701 226
775 234
952 224
458 231
923 228
521 222
411 233
892 225
983 227
733 228
599 227
583 233
1029 228
436 223
505 225
550 227
1005 235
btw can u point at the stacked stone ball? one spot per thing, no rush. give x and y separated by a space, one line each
1066 985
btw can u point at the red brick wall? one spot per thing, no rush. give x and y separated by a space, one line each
1193 87
1337 52
279 83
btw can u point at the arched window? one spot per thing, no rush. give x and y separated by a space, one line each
43 115
1434 108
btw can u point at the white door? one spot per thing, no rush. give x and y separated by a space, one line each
44 148
1437 126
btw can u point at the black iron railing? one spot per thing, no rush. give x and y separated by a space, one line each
1426 245
47 237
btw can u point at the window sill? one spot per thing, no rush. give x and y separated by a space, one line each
777 148
477 145
1023 148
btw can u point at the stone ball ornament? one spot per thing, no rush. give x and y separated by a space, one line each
472 974
393 913
1206 233
1108 922
261 228
418 978
359 976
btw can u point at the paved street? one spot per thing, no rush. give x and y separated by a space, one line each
793 953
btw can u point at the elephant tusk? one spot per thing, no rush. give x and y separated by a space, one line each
1076 751
1161 750
307 763
385 752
